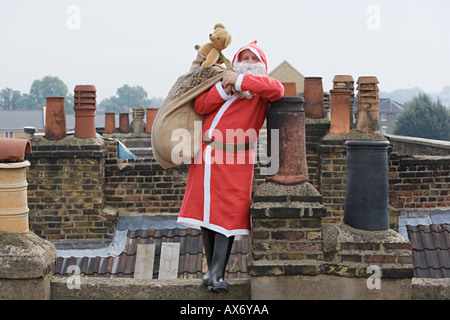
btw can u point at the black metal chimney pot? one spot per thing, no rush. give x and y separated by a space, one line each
366 197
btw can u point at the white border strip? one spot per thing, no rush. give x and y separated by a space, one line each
207 185
196 224
220 114
223 94
238 83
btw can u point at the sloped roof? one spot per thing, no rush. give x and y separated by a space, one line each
388 105
192 261
16 120
431 250
285 64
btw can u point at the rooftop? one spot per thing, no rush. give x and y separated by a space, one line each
431 250
118 258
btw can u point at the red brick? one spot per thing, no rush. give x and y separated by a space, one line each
377 258
397 246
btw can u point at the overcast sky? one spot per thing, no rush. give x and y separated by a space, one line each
405 43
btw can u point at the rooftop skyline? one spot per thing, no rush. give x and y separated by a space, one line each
112 43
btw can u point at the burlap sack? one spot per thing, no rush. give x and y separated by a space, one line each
174 140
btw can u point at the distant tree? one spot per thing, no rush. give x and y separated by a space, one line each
156 102
402 95
26 102
50 87
129 96
9 99
424 118
109 104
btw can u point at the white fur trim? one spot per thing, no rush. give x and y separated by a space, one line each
238 83
196 224
252 50
207 185
219 114
223 94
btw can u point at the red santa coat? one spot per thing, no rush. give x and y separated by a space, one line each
218 190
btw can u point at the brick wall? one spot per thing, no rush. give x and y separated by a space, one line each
315 130
66 182
419 182
141 186
71 180
333 179
414 181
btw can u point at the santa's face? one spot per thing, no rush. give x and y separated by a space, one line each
248 56
249 63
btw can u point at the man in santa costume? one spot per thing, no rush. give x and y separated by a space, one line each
218 190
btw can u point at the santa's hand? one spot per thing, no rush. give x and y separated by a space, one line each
228 89
229 79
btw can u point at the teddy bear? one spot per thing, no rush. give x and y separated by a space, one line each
220 39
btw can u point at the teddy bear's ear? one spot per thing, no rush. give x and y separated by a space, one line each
219 25
228 40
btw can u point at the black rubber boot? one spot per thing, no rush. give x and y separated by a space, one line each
221 254
208 245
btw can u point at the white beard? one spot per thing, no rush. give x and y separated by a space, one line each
256 69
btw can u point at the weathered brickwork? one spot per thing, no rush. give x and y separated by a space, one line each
333 180
315 129
72 180
353 252
419 182
66 183
286 222
141 186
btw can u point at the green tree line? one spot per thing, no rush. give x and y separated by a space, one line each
424 118
49 86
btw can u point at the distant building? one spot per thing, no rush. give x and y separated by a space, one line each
13 122
287 73
389 109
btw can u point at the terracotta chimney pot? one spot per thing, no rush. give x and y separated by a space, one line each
341 81
13 150
368 118
151 115
138 119
84 107
110 122
340 111
290 89
55 119
313 95
288 117
124 123
13 185
13 197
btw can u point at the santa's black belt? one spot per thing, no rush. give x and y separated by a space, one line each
229 147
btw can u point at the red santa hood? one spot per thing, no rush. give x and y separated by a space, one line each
253 47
